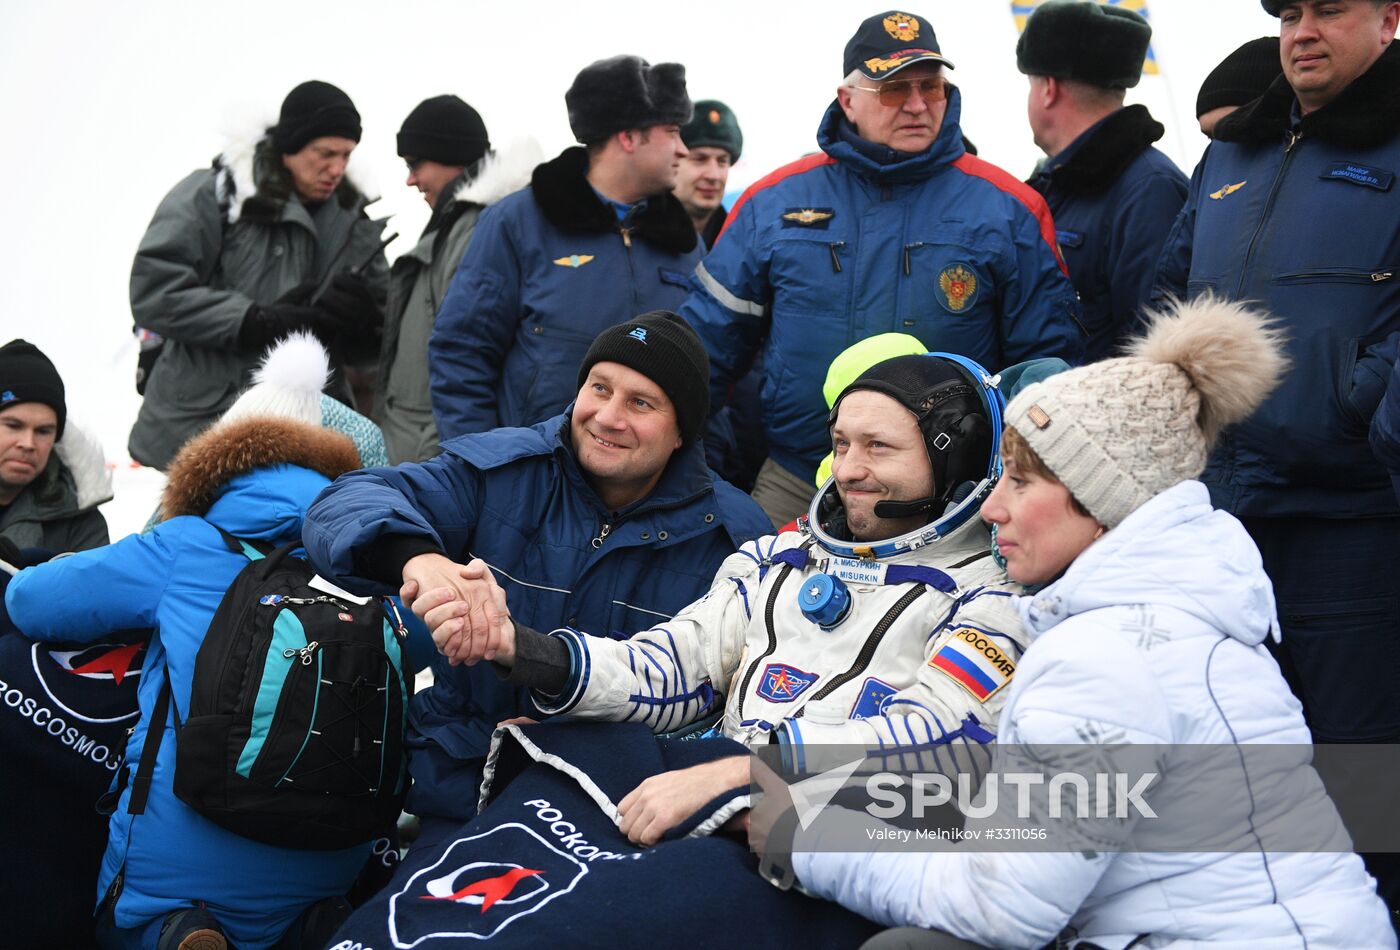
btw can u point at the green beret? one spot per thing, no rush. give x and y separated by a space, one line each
1087 41
713 124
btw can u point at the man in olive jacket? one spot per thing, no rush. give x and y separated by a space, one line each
272 238
450 160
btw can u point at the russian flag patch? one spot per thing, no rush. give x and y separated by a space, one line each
974 662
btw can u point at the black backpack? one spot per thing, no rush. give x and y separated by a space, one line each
294 735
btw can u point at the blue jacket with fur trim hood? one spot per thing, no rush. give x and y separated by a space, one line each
253 478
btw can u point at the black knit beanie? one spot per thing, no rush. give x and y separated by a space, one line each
27 375
1088 42
444 129
625 92
714 125
1241 77
312 110
662 347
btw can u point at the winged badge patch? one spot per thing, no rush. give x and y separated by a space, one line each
573 260
1228 190
808 216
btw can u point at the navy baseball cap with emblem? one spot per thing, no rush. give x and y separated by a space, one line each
888 42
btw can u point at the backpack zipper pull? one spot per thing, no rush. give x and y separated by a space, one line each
400 630
598 541
305 653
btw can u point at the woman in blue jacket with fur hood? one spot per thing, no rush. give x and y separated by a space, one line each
169 874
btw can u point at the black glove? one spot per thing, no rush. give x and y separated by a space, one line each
354 311
264 324
22 557
9 551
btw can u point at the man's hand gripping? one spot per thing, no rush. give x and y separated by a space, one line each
463 607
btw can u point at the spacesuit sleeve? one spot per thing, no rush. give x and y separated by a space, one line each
947 718
674 673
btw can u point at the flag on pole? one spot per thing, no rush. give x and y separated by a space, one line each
1022 9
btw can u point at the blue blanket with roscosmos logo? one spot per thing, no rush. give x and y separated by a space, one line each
64 712
543 864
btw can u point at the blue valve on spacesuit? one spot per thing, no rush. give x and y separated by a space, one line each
824 600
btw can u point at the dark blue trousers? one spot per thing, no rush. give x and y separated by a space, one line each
1337 582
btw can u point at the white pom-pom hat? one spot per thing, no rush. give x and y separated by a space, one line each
1123 430
288 384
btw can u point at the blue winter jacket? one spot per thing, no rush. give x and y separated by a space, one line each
173 579
547 270
861 240
1114 198
517 499
1303 217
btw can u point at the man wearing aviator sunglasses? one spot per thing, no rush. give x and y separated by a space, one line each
893 227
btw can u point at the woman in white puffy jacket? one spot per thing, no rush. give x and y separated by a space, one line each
1149 629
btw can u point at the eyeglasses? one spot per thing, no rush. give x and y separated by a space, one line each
895 92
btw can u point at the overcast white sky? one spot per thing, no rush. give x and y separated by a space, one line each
107 105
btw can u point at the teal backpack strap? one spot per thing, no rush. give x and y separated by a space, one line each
252 550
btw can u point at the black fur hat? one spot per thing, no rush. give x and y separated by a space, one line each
1090 42
625 92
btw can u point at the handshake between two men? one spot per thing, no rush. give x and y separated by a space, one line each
466 612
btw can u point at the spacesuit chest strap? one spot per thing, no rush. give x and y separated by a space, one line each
860 571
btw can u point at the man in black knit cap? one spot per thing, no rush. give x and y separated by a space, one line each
272 238
604 517
48 504
448 152
1240 78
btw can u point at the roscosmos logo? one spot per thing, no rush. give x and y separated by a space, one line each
480 885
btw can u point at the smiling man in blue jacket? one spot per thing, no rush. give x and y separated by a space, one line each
605 518
893 226
1295 206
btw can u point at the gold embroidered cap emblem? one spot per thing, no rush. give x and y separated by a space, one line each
807 216
902 27
878 65
1228 190
958 285
573 260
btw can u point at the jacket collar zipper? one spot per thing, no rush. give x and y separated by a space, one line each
1293 137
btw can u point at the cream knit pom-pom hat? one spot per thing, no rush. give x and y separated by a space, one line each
1120 431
